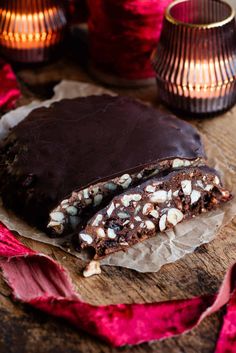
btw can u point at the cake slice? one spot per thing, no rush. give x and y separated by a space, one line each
154 206
63 163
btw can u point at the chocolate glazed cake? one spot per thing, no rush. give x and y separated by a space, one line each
64 163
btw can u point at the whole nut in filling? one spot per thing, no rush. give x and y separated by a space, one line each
150 225
72 210
111 233
97 220
125 180
110 209
174 216
147 208
97 199
93 268
195 196
86 237
150 189
101 233
159 196
154 214
186 187
57 216
162 223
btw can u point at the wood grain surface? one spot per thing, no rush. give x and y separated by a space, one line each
26 330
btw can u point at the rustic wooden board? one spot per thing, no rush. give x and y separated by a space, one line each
26 330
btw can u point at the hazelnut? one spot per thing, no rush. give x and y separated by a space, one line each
174 216
162 223
100 233
147 208
111 233
110 209
86 237
150 189
186 187
150 225
72 210
57 216
195 196
209 187
93 268
159 196
154 214
97 199
97 220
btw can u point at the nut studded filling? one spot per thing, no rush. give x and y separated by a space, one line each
154 206
72 211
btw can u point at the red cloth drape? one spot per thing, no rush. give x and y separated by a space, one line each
9 88
41 282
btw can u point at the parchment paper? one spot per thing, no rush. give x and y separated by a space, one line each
152 254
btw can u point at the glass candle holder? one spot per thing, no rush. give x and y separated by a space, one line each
31 30
195 60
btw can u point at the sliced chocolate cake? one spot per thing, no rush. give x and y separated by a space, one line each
63 163
151 207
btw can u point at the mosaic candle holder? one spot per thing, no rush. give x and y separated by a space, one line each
31 30
195 60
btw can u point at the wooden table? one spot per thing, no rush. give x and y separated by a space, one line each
24 329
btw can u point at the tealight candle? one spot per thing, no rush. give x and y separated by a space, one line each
31 30
195 60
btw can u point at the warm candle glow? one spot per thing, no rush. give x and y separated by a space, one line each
202 80
195 60
21 29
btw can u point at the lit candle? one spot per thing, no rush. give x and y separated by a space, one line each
31 30
195 61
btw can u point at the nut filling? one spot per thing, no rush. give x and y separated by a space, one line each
69 214
153 206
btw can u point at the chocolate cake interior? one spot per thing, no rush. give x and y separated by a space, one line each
153 206
77 209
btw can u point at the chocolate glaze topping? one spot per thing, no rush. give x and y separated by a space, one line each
78 142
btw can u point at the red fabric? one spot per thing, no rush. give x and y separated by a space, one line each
9 89
41 282
123 34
